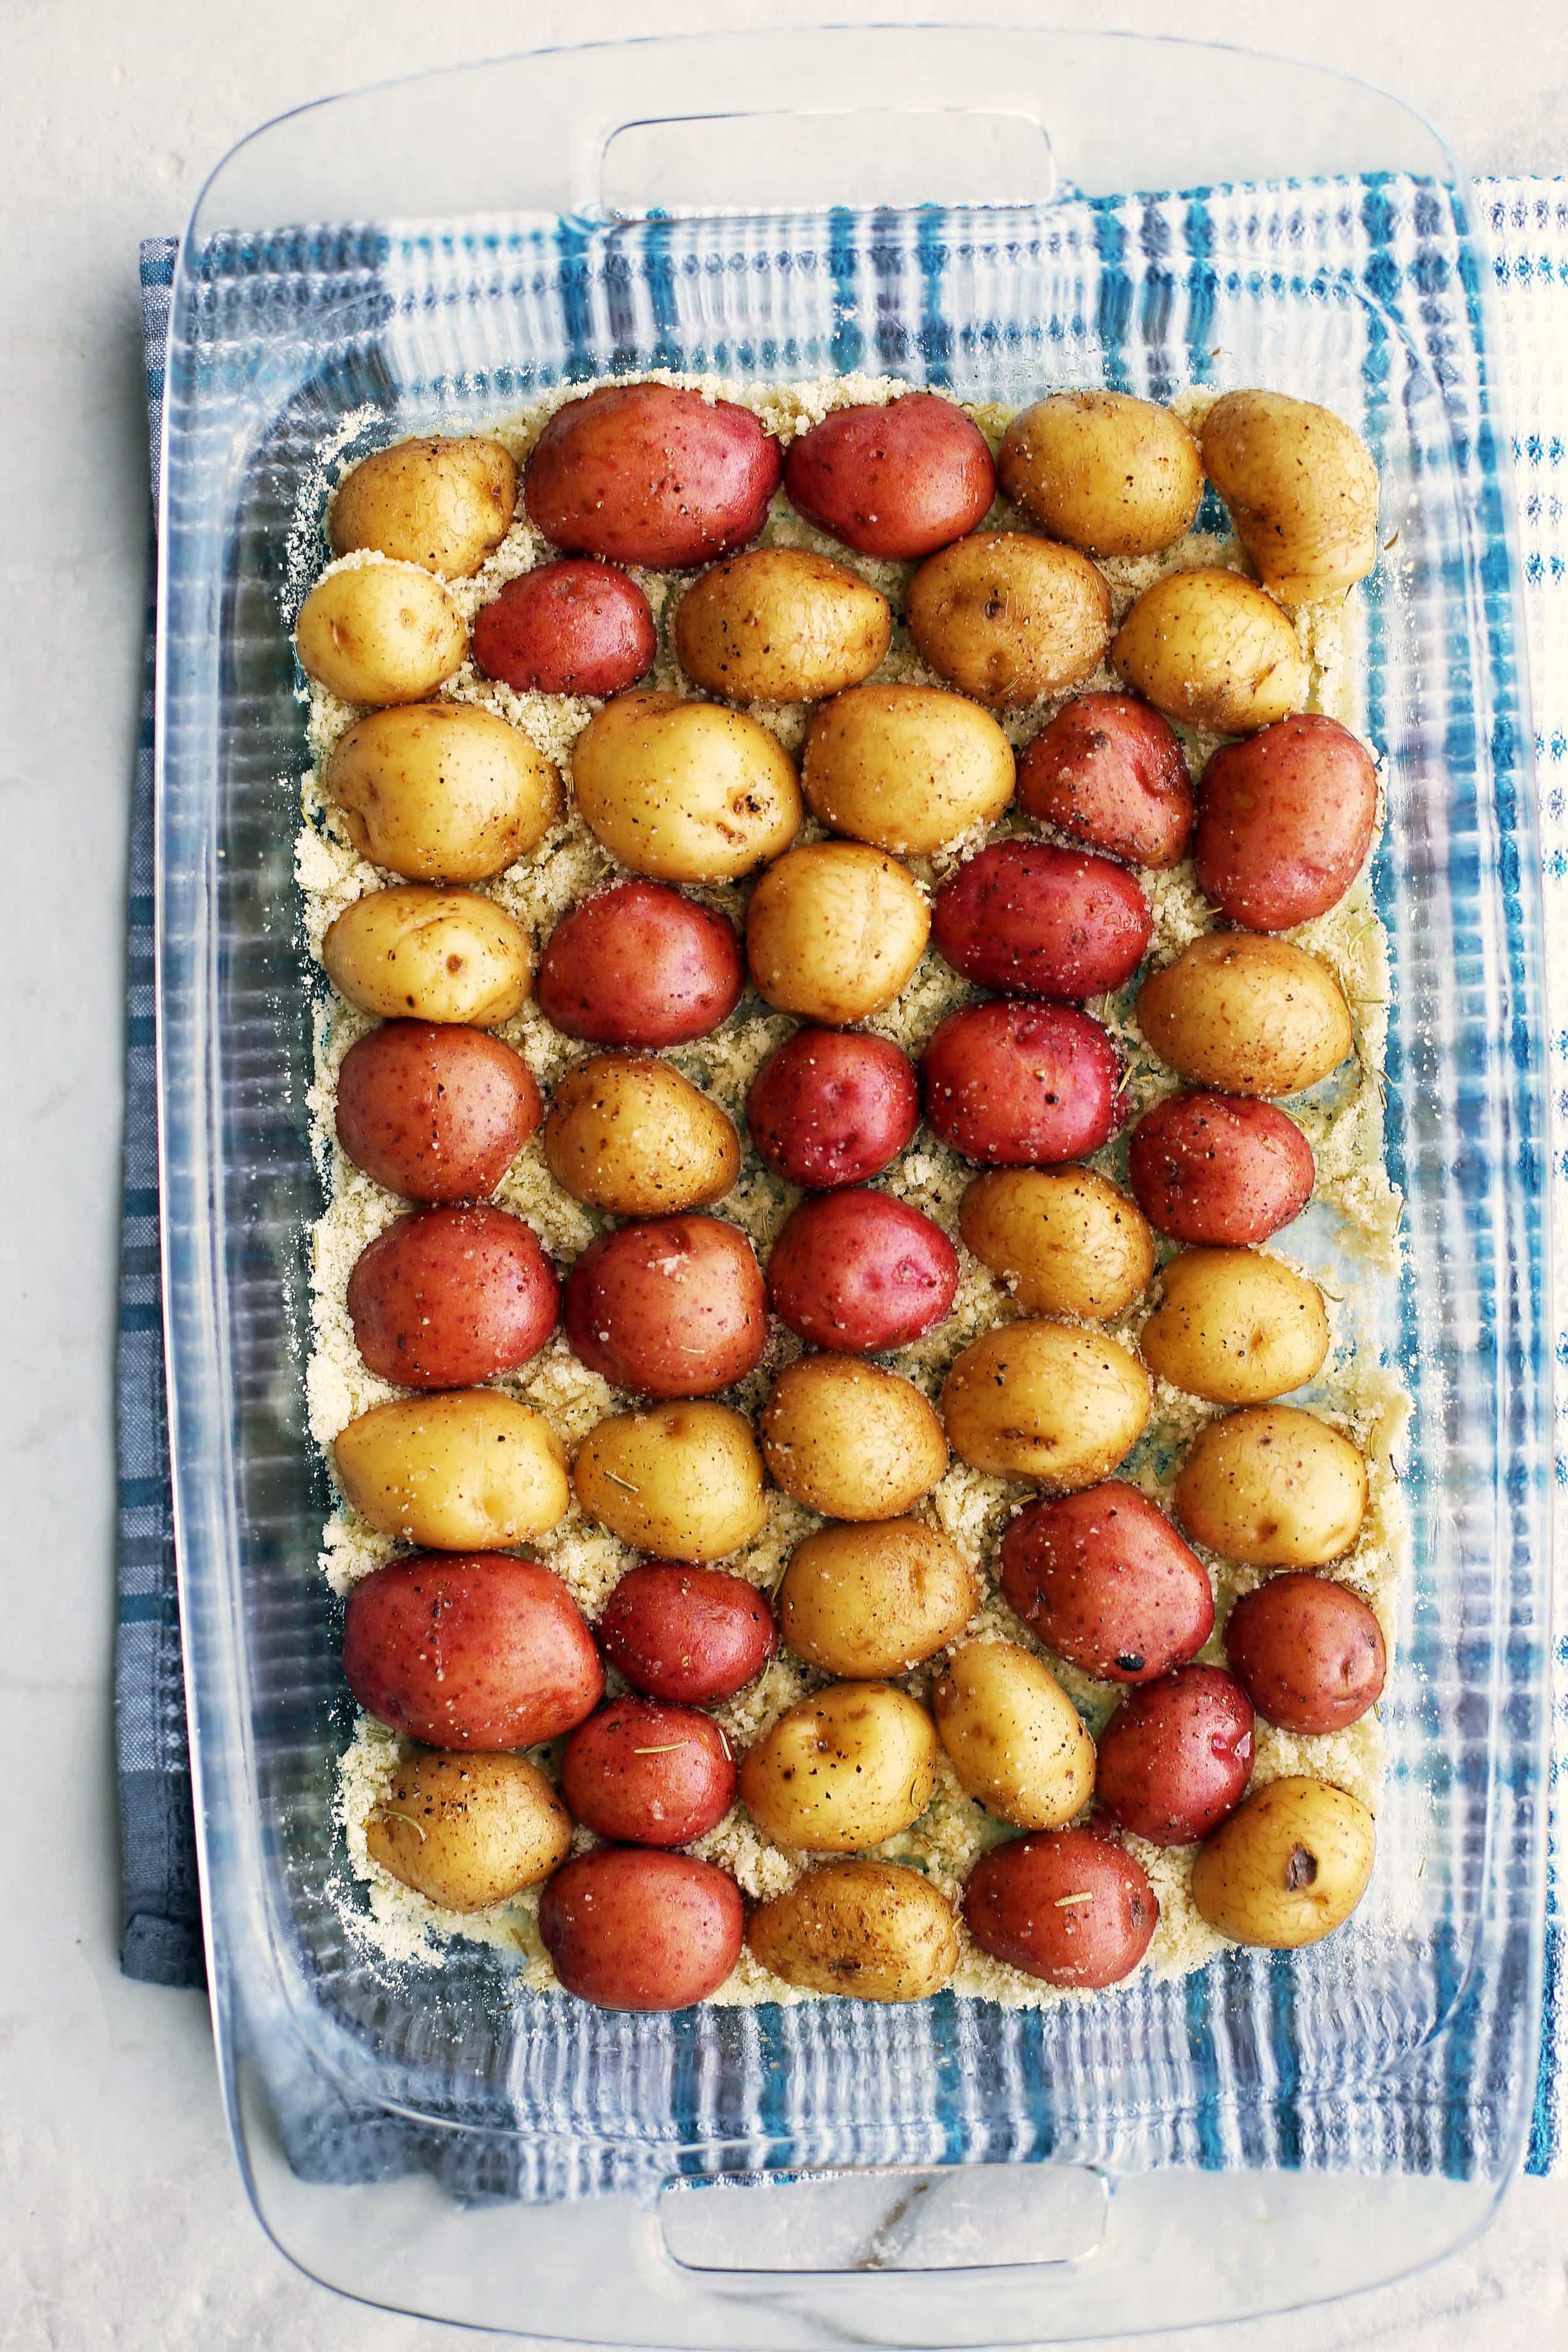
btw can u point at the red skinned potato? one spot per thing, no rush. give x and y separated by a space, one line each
642 473
1032 921
1103 1578
435 1111
1108 769
1017 1084
1285 820
646 1774
1307 1651
858 1270
1176 1756
830 1107
901 480
446 1298
640 964
627 1927
1066 1905
1219 1170
692 1635
572 627
669 1306
478 1650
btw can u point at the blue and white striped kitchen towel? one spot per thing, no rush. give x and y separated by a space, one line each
1527 224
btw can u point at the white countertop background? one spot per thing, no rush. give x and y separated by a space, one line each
122 2221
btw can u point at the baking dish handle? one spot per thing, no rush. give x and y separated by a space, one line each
856 115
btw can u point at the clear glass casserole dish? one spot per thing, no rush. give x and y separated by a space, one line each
421 256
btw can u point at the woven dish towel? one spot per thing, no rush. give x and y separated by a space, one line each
1527 222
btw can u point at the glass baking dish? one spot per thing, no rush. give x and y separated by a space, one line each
983 210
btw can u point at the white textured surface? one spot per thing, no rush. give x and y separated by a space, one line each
122 2221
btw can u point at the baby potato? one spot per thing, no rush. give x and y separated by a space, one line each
906 768
834 931
1211 1168
1307 1651
379 632
1008 617
474 1650
1176 1756
1110 772
1018 1084
647 1774
1103 1578
827 1109
647 473
1248 1014
693 1635
441 792
439 500
843 1769
850 1441
1063 1240
445 1298
1284 820
1210 647
1046 1402
628 1133
870 1930
1064 1906
1106 472
860 1271
1030 919
899 480
469 1470
781 624
1013 1735
1301 487
639 964
630 1927
864 1601
435 1111
468 1830
578 627
441 955
669 1306
1234 1327
684 791
1288 1868
682 1481
1274 1486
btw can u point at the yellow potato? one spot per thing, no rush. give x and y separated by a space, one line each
1008 617
871 1930
468 1830
1104 471
1013 1736
465 1470
442 792
1064 1240
780 624
628 1133
1288 1867
1274 1486
841 1770
1301 487
834 931
1234 1327
1248 1014
1046 1402
430 955
907 767
379 632
680 1481
871 1600
684 791
1209 647
850 1441
443 502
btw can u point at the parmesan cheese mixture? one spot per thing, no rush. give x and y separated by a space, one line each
1351 1227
